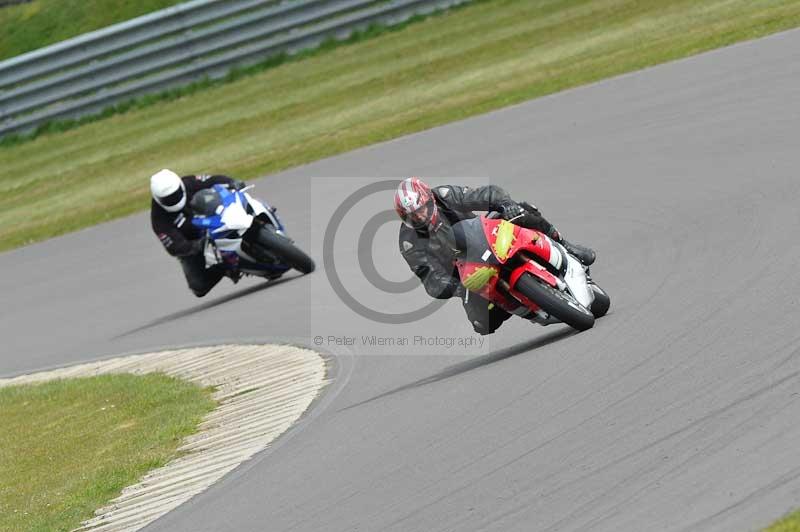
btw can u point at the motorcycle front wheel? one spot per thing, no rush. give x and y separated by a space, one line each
601 302
269 242
556 303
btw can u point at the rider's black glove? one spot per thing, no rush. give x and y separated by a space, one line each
511 210
238 185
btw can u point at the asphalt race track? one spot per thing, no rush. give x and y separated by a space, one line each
678 411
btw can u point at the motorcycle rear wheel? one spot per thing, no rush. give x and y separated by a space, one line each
555 302
270 242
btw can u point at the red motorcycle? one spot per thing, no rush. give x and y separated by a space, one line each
526 273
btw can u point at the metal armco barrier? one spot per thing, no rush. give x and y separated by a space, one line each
6 3
177 46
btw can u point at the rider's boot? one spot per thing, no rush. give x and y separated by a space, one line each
234 275
536 221
586 255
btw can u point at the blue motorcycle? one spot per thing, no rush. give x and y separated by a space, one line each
245 234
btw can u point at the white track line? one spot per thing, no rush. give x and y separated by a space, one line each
261 389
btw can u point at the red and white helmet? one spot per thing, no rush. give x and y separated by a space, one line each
416 205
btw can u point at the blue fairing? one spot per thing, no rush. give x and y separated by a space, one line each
209 224
226 197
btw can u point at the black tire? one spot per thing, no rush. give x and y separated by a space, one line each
555 302
602 302
274 244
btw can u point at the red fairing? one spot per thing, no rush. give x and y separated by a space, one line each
534 269
466 269
529 240
524 239
541 246
498 287
489 290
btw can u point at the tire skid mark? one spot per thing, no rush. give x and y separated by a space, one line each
695 425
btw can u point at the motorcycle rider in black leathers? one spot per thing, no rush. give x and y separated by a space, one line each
427 241
171 220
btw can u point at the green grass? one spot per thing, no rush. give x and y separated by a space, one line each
236 73
67 447
790 523
482 57
26 27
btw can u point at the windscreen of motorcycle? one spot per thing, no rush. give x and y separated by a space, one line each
205 202
471 242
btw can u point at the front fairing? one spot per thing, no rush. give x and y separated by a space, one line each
265 212
478 268
472 242
229 216
486 245
226 216
508 239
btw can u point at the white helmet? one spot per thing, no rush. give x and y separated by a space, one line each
168 190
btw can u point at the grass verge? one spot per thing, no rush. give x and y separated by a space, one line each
236 73
69 446
26 27
482 57
790 523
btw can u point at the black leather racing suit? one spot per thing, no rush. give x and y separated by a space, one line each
183 240
432 258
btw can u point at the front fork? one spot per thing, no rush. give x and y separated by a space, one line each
529 309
